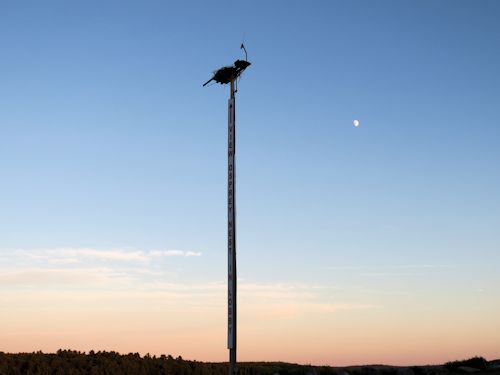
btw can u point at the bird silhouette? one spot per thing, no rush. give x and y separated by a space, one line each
228 73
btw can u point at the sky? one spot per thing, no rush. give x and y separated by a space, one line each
371 244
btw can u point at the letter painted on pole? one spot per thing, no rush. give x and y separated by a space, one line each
231 318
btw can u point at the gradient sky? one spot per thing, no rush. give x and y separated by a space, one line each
375 244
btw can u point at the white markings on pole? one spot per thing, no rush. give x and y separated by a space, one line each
231 230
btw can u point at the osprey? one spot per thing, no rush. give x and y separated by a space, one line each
228 73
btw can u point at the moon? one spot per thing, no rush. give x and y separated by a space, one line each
355 123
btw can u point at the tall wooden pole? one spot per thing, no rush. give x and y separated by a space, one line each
231 233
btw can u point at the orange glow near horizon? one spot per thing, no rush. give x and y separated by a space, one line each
290 331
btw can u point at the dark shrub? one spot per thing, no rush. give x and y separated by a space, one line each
475 362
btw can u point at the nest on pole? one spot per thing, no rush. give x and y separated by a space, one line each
227 74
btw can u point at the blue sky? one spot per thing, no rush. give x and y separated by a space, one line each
108 143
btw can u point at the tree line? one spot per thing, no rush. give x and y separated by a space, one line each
71 362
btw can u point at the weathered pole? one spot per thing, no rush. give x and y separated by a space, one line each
231 232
